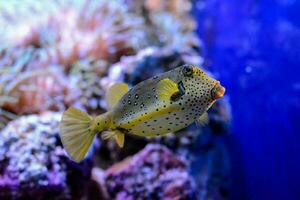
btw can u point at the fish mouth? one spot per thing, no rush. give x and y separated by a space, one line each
217 91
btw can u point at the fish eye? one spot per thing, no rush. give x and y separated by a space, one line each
187 70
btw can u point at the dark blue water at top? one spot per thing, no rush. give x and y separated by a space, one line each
254 48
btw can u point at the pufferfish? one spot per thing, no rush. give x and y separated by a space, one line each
162 104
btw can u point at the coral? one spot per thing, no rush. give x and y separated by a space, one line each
80 32
34 91
153 173
89 75
175 7
56 54
25 58
101 29
165 18
33 162
98 29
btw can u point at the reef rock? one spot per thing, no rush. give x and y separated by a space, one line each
34 164
153 173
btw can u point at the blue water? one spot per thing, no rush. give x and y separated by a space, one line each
254 47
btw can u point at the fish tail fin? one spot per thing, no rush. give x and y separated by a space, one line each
78 130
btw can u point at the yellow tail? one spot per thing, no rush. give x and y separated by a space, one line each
78 130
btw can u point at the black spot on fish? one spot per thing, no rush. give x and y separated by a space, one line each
136 96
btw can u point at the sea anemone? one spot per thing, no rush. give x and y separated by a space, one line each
100 29
35 91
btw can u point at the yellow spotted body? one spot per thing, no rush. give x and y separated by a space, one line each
160 105
141 112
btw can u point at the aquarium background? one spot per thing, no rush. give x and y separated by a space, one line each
57 54
254 46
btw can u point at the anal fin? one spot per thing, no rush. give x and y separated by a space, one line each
118 136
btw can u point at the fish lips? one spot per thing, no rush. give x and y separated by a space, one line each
218 91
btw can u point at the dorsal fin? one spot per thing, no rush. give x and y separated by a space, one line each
166 88
115 93
202 120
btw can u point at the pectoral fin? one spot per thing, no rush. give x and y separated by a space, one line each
202 120
115 93
118 136
166 89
